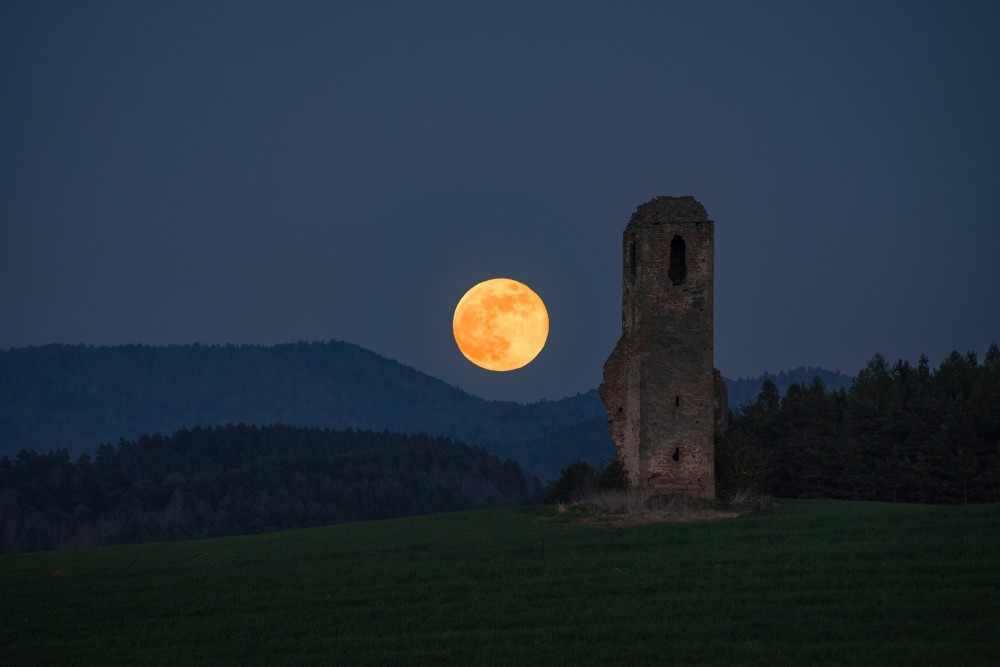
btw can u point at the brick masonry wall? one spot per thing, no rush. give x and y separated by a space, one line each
659 387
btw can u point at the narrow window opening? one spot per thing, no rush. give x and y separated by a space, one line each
678 263
677 401
677 454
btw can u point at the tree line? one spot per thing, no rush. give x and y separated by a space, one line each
235 479
900 432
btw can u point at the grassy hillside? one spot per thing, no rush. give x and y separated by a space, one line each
811 582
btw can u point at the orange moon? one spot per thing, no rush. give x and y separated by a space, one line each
500 325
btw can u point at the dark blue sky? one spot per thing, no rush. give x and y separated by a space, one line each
242 172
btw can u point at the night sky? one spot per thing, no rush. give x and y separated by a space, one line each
242 172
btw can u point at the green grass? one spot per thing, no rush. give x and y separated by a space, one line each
806 583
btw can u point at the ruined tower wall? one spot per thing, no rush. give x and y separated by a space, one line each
659 386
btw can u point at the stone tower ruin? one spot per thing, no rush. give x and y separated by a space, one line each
661 392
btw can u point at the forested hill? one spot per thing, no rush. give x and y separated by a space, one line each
77 397
745 390
901 432
243 479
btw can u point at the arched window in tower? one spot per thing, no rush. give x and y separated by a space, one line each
678 265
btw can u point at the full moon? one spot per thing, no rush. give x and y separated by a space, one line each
500 325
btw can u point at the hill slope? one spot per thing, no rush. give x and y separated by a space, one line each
77 397
809 583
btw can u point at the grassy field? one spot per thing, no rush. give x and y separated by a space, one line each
806 583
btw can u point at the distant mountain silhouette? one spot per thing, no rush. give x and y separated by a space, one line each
77 397
745 390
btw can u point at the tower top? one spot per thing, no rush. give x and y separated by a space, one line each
669 209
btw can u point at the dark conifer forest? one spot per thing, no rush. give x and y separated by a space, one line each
744 390
900 432
243 479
